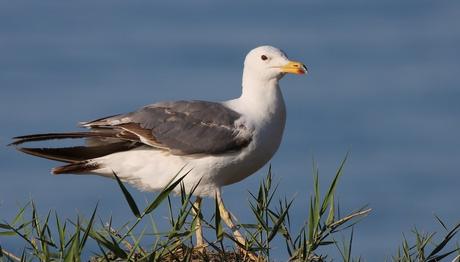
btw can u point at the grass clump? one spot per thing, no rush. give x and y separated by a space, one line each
51 238
426 248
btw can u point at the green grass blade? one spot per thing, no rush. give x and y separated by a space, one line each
61 233
279 222
331 216
106 257
20 214
111 245
88 229
132 204
5 226
442 256
258 217
350 243
329 195
311 222
7 233
163 194
136 245
446 239
441 222
71 254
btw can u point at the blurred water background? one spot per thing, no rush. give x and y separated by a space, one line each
383 84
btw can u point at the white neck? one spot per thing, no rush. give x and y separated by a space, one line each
261 97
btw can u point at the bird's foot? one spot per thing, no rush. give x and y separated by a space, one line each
249 255
200 248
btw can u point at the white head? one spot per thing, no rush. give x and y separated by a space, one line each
267 63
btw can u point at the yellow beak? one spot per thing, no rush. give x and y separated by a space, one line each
294 67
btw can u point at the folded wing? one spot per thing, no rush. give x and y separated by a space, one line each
181 128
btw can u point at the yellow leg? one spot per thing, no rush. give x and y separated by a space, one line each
200 246
227 218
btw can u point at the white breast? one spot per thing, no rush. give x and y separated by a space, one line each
266 117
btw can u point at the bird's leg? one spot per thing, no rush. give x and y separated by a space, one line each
227 218
200 247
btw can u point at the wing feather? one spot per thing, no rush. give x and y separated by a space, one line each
183 127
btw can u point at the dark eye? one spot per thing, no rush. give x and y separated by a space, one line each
264 57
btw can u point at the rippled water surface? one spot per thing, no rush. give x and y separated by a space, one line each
384 85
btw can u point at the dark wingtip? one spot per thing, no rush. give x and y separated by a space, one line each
45 153
15 142
21 137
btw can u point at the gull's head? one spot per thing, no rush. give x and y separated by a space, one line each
269 63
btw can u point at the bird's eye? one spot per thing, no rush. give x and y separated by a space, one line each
264 57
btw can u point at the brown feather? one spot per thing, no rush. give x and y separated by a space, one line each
76 168
145 135
50 136
78 153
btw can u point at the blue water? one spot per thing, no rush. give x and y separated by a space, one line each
384 85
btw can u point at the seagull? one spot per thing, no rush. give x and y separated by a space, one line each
221 142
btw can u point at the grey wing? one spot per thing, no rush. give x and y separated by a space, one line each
183 127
